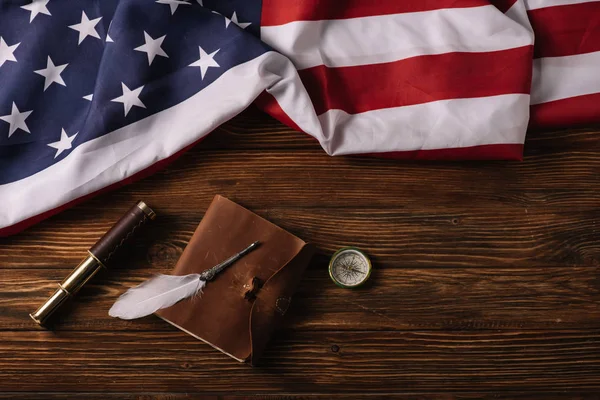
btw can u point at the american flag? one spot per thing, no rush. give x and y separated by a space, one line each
94 93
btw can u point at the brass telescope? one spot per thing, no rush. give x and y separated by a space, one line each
98 257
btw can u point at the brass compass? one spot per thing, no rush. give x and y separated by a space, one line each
349 267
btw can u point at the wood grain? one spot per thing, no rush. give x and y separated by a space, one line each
486 280
544 210
451 236
395 299
304 362
570 395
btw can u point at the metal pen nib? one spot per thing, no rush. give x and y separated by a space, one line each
209 274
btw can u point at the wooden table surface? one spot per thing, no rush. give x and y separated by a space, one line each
486 277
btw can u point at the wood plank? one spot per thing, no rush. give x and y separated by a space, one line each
486 282
554 194
553 175
509 395
396 299
557 186
312 363
310 178
500 236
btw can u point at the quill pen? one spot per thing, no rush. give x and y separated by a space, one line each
163 291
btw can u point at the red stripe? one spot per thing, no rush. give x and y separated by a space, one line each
574 111
419 80
279 12
20 226
484 152
268 104
503 5
566 30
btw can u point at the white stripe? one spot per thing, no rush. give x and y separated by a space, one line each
556 78
437 125
113 157
518 13
387 38
535 4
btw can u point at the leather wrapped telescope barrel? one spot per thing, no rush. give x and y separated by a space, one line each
99 256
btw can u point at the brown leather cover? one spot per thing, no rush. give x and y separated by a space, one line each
119 234
239 309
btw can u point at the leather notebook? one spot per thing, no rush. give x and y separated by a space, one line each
238 310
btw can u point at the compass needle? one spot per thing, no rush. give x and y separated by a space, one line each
349 267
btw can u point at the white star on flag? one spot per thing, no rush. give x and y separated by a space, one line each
200 2
86 27
173 4
36 7
234 19
65 142
152 47
89 97
16 120
130 98
205 61
108 38
52 74
6 52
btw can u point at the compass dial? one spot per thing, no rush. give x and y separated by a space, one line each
349 267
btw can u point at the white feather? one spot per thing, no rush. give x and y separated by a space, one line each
158 292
